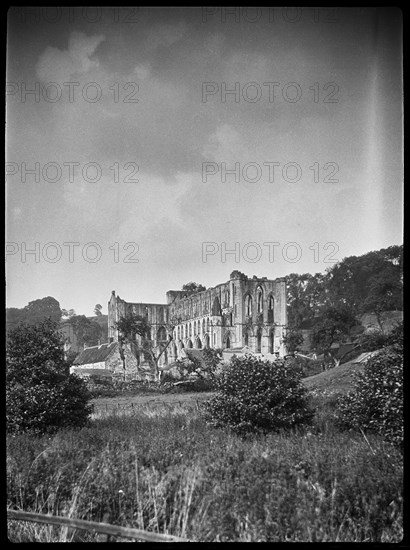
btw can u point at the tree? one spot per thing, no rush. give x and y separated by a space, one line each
86 331
293 339
38 310
68 313
132 325
41 395
253 395
334 325
97 309
34 312
385 293
193 287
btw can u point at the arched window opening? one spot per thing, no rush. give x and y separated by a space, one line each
248 306
259 297
216 307
259 341
189 344
246 339
271 308
161 334
228 343
198 343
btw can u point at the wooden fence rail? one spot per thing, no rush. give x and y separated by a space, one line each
105 528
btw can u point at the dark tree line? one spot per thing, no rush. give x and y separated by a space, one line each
330 303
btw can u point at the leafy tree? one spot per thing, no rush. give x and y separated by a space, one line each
41 395
293 339
132 325
97 309
195 287
334 325
38 310
253 395
212 359
86 331
376 402
376 340
34 312
385 293
14 316
68 313
305 295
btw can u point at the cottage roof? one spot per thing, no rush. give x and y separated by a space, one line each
95 354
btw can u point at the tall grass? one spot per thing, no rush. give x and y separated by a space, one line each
167 471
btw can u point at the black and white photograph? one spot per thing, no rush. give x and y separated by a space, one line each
204 274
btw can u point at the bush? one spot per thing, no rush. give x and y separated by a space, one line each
254 395
41 395
376 402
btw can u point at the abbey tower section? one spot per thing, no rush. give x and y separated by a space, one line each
241 313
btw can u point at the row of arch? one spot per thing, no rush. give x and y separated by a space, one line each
258 340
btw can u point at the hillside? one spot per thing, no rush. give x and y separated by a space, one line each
338 379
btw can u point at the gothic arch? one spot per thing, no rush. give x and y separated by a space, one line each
247 336
248 305
161 334
271 309
206 341
216 307
228 340
198 343
189 344
259 299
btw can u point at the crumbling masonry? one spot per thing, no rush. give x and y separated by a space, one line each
243 315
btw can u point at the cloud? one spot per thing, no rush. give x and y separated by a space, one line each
142 71
224 145
165 34
56 65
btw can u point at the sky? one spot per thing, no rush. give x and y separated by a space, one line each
150 147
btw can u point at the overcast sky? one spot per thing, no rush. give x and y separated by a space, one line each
314 130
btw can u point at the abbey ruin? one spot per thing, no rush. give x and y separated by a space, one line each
242 315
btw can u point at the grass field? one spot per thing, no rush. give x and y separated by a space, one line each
162 469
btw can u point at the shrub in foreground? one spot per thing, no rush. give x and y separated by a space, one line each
254 395
376 402
41 395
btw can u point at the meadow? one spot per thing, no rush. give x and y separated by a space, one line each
162 469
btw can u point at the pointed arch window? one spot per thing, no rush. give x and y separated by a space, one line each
271 309
248 306
259 300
